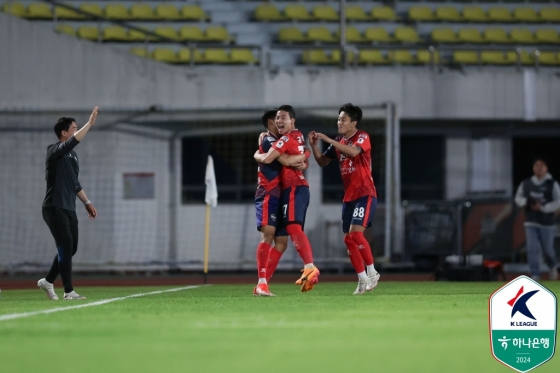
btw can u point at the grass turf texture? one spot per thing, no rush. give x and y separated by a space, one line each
400 327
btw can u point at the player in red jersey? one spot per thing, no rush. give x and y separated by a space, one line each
295 191
268 205
352 150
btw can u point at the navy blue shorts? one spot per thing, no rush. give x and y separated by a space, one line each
295 201
269 212
358 212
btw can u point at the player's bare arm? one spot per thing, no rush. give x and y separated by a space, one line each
79 135
261 137
348 150
321 160
90 208
267 158
291 160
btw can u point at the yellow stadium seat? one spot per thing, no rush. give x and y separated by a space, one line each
297 13
194 13
291 35
325 13
550 14
548 36
448 13
496 35
66 29
548 58
66 13
140 52
114 33
465 57
383 13
244 56
39 11
268 12
88 32
315 57
425 57
167 32
191 33
372 57
401 56
216 56
377 35
142 12
135 35
524 57
526 15
493 58
336 56
470 35
420 13
15 9
320 34
164 55
444 35
356 13
474 14
117 11
522 35
168 12
184 56
93 9
217 33
353 35
407 35
500 14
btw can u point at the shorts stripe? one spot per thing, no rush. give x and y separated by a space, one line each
292 203
366 216
265 211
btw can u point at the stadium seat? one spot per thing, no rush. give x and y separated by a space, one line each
39 11
242 56
194 13
15 9
114 33
474 14
336 56
548 58
377 35
66 29
167 12
550 14
402 57
184 56
164 55
448 13
297 13
139 51
191 33
217 33
325 13
315 57
291 35
444 35
548 36
143 12
93 9
465 57
522 36
88 32
356 13
268 13
407 35
383 13
65 13
320 34
525 58
500 14
526 15
420 13
496 35
470 35
167 32
372 57
135 35
493 58
353 35
117 11
424 57
218 56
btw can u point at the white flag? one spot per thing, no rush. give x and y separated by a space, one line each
211 196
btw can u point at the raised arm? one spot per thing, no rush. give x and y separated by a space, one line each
321 159
348 150
79 135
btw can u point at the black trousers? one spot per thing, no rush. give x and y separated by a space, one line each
64 228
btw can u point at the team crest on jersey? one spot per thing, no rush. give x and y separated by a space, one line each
273 217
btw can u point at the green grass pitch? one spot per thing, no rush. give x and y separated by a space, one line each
400 327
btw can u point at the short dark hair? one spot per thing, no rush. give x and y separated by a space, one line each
63 124
542 159
288 109
268 114
354 112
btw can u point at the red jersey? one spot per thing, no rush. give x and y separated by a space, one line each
268 174
355 172
292 143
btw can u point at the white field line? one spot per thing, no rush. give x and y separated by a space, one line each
92 304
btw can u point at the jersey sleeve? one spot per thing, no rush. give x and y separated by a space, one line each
330 152
62 148
267 143
282 145
363 142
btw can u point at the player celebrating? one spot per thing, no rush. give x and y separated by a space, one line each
352 149
268 206
295 191
59 206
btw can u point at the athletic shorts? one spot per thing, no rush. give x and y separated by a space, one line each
358 212
295 201
269 212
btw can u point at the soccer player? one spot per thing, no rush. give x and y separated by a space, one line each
268 205
352 150
295 191
59 205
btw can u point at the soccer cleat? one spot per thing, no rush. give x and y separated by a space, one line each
48 288
73 296
261 290
308 279
362 286
372 281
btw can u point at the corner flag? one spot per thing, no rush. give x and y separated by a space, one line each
211 196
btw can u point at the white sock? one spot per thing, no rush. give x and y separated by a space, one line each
262 280
371 270
362 276
309 265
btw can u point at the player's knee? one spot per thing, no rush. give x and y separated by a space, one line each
294 229
280 243
348 239
357 236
